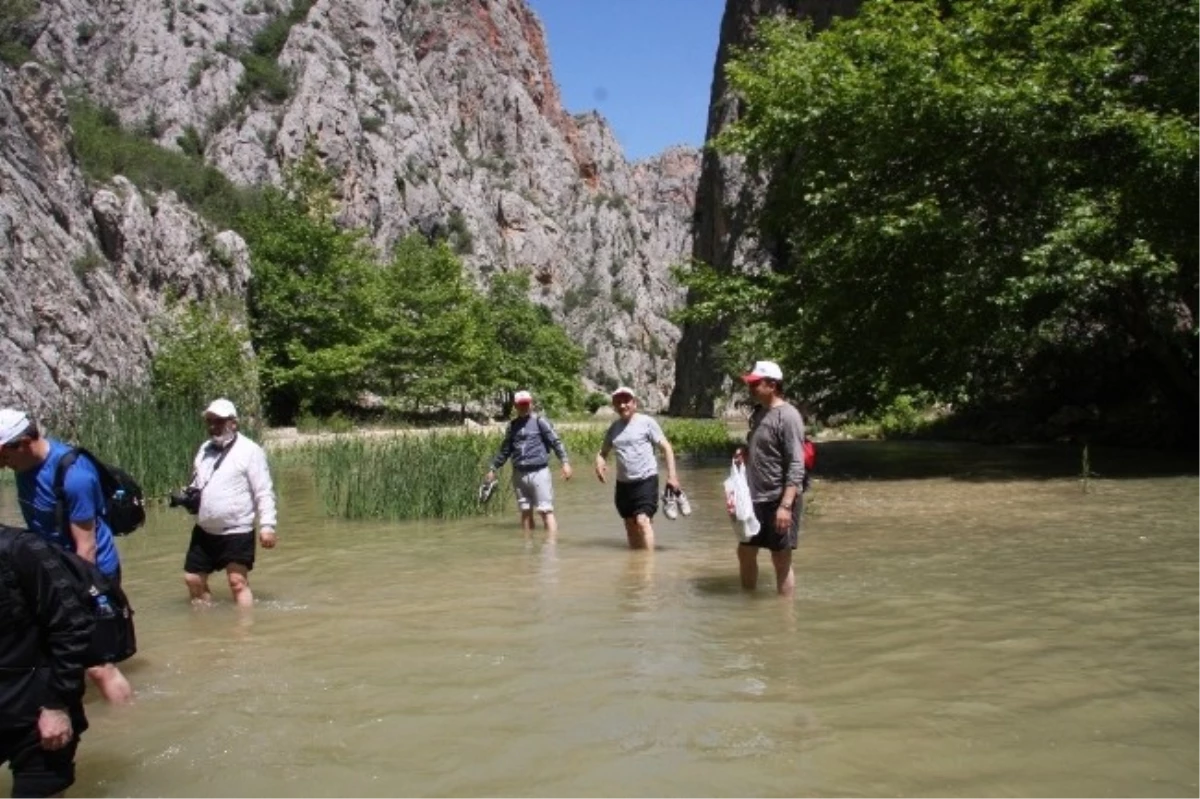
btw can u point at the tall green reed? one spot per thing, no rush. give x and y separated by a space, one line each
152 438
403 477
437 475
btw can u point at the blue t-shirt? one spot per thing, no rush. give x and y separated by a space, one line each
84 503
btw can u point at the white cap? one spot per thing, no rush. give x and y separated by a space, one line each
221 408
12 424
522 397
624 390
767 369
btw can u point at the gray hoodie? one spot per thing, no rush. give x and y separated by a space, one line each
528 442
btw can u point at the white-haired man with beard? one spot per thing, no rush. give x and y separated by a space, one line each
232 487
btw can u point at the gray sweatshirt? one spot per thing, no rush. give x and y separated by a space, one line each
528 442
776 452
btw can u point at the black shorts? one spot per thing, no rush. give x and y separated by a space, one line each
209 553
35 771
767 538
637 496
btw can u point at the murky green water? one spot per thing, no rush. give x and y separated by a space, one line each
984 628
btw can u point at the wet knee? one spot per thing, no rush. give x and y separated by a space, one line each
196 582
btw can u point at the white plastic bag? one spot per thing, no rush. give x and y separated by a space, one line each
737 502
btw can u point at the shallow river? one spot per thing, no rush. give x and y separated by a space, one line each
968 622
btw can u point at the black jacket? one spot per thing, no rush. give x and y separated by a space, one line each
45 628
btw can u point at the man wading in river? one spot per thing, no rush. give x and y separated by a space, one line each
231 487
633 437
528 441
774 458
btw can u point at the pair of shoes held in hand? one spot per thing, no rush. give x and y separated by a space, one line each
675 503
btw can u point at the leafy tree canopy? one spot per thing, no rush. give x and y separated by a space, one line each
973 197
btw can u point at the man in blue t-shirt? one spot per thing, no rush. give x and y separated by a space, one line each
85 532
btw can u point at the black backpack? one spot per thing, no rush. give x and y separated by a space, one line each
114 638
125 509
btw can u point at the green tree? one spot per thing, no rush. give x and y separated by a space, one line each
427 333
203 352
314 299
532 351
972 197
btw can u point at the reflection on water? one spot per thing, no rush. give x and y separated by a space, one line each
996 635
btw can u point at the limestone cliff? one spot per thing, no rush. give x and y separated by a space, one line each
435 115
85 270
724 236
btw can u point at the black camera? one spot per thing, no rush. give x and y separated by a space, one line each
186 498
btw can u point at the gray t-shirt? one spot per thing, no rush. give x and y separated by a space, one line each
776 451
634 441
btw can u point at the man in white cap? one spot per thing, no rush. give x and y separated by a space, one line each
529 440
633 437
233 485
774 458
35 459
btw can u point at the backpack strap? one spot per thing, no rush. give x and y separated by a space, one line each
544 432
60 493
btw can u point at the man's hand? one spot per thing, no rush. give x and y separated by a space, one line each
54 728
673 482
490 476
783 520
601 468
567 472
267 537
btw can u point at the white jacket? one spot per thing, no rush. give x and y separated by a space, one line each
239 487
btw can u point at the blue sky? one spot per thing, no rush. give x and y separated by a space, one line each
645 65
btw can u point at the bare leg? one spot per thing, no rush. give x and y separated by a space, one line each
527 522
785 578
198 588
112 683
748 566
551 525
639 532
239 584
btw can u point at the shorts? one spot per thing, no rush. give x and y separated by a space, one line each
767 538
535 490
208 553
35 771
637 497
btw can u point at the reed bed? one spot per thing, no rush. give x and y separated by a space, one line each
152 439
431 476
437 475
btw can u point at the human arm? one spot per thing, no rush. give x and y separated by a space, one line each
553 442
80 491
792 448
669 456
506 451
656 436
262 488
601 464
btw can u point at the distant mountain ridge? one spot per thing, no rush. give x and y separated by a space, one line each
438 117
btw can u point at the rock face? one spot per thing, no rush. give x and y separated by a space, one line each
724 237
437 116
85 272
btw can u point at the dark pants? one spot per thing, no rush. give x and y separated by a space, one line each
637 496
767 538
35 771
208 553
